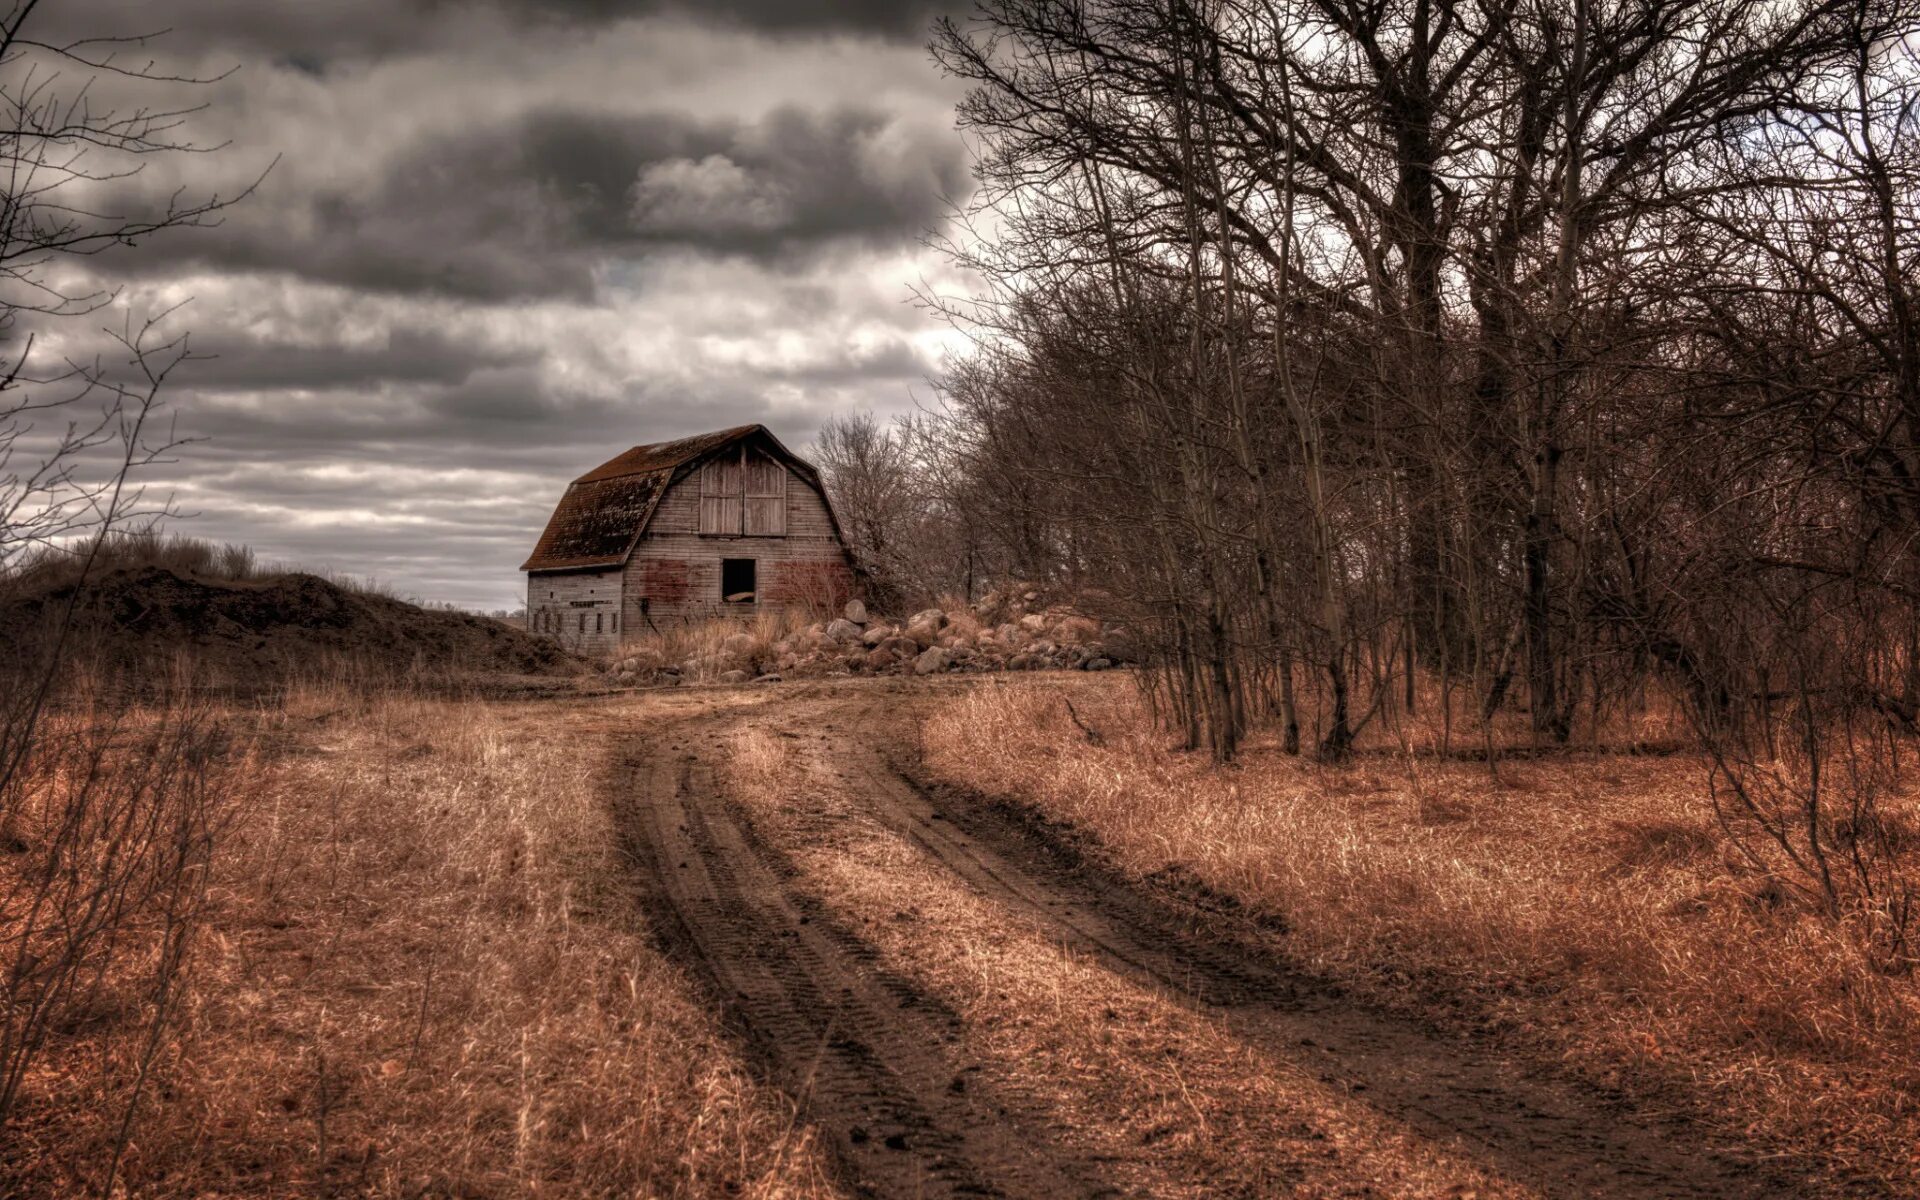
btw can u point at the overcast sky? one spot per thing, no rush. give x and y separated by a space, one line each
505 240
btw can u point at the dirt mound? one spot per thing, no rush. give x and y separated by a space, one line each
259 631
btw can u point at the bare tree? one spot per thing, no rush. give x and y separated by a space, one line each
1551 352
106 842
871 476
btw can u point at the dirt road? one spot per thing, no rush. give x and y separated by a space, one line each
966 1006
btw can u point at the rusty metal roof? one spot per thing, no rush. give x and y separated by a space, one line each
604 511
595 522
665 456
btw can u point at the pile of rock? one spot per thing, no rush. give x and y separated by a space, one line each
1010 632
933 642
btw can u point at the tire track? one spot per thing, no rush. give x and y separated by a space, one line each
1548 1133
862 1052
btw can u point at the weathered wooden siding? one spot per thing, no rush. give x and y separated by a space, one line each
766 496
675 569
580 608
720 496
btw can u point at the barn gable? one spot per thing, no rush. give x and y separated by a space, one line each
605 512
736 532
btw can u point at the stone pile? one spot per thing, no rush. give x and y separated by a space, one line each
1011 631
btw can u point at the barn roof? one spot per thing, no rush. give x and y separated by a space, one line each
665 456
604 511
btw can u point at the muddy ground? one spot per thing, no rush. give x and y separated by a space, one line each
966 1003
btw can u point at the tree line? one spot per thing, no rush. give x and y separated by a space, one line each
1465 357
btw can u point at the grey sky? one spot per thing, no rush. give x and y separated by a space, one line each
506 240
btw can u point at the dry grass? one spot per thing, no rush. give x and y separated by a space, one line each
109 810
702 649
1171 1103
132 549
960 616
423 976
1584 902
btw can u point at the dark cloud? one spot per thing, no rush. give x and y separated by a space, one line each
228 361
289 32
795 177
315 36
512 422
535 206
895 18
514 418
893 359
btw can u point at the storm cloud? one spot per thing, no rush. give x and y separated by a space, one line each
503 239
536 204
315 37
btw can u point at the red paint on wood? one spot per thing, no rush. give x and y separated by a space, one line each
822 584
664 579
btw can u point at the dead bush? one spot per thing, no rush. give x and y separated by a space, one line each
110 813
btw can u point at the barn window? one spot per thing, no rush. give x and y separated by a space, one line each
737 580
583 622
743 493
616 622
597 618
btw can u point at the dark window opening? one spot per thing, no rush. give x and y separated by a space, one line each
597 618
737 580
583 622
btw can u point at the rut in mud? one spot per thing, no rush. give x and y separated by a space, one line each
891 1073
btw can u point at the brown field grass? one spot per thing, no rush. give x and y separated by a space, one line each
131 549
420 970
1585 902
699 648
1171 1103
420 975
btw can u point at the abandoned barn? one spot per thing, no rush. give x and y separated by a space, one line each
723 524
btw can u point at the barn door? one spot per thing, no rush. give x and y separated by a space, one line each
766 497
720 495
